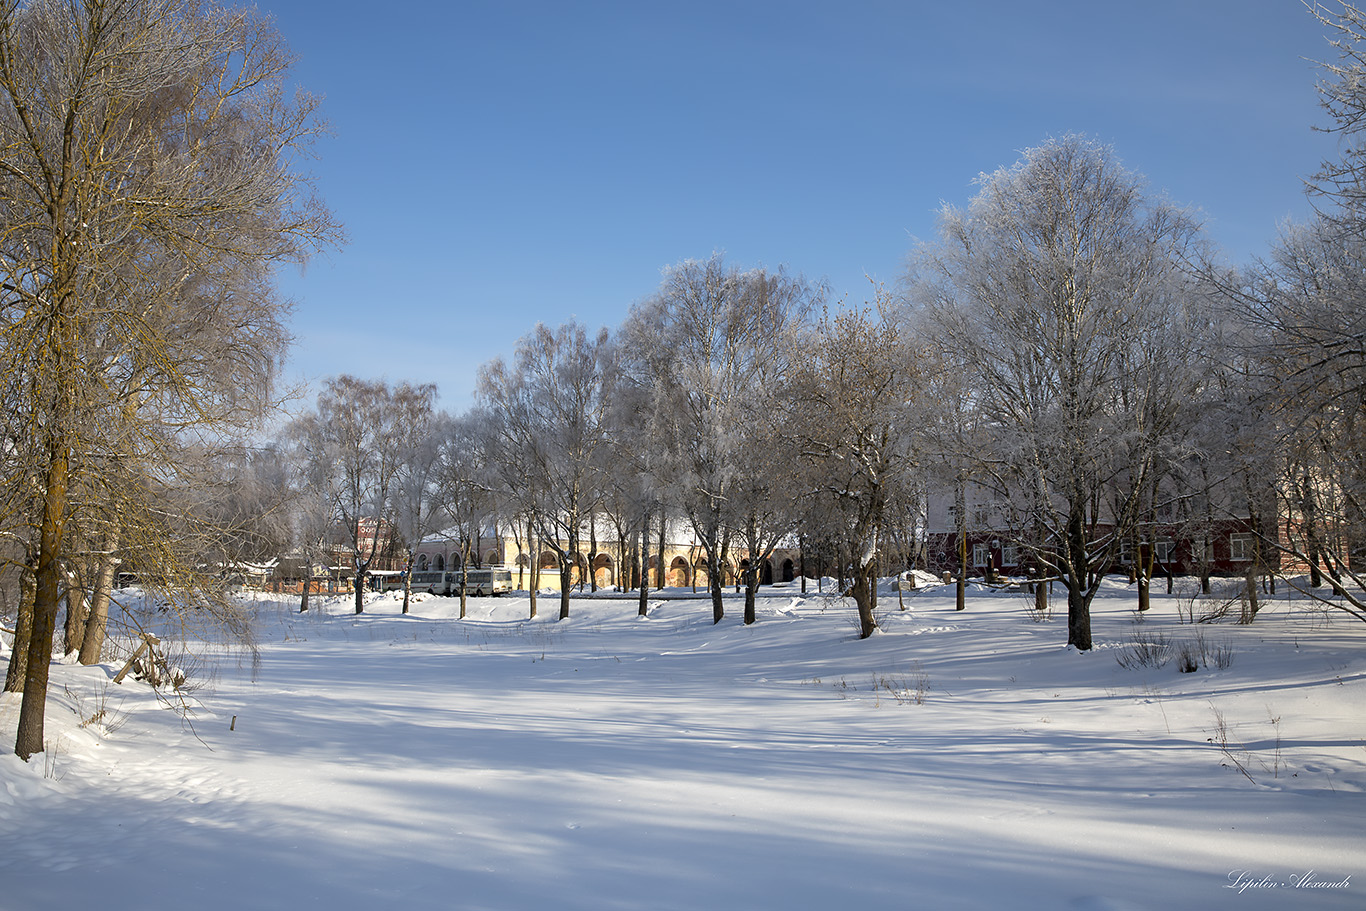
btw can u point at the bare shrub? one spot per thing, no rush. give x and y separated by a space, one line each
1186 660
1201 652
906 690
97 710
1149 649
1227 745
1213 654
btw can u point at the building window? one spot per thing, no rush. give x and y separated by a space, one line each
1242 547
1126 552
1010 555
1164 551
981 554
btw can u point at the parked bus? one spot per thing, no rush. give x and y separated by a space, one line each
493 581
437 583
385 580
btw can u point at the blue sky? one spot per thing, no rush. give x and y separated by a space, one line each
497 164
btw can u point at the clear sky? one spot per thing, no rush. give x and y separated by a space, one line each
499 164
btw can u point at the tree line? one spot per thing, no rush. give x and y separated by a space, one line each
1067 347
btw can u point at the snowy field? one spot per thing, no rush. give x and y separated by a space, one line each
954 760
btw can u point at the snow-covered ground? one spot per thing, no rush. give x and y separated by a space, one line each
954 760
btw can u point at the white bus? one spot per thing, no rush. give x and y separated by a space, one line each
437 582
384 580
494 581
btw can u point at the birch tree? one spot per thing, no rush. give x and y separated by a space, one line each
1054 273
708 340
553 416
359 436
312 484
465 485
418 508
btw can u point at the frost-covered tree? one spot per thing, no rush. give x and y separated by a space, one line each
1046 284
764 503
418 508
634 464
312 486
552 412
1298 352
1340 183
359 438
466 484
708 341
1304 355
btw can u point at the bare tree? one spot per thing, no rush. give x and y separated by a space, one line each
359 438
1340 183
312 486
1057 270
859 386
553 418
465 485
516 481
708 339
417 508
1304 325
634 466
147 184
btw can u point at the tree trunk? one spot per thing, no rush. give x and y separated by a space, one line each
751 574
308 581
566 583
626 564
592 554
660 579
361 569
1145 576
77 611
23 629
644 608
98 622
1078 572
715 581
865 600
960 498
52 533
1309 507
1251 587
464 575
535 568
718 610
567 564
407 579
